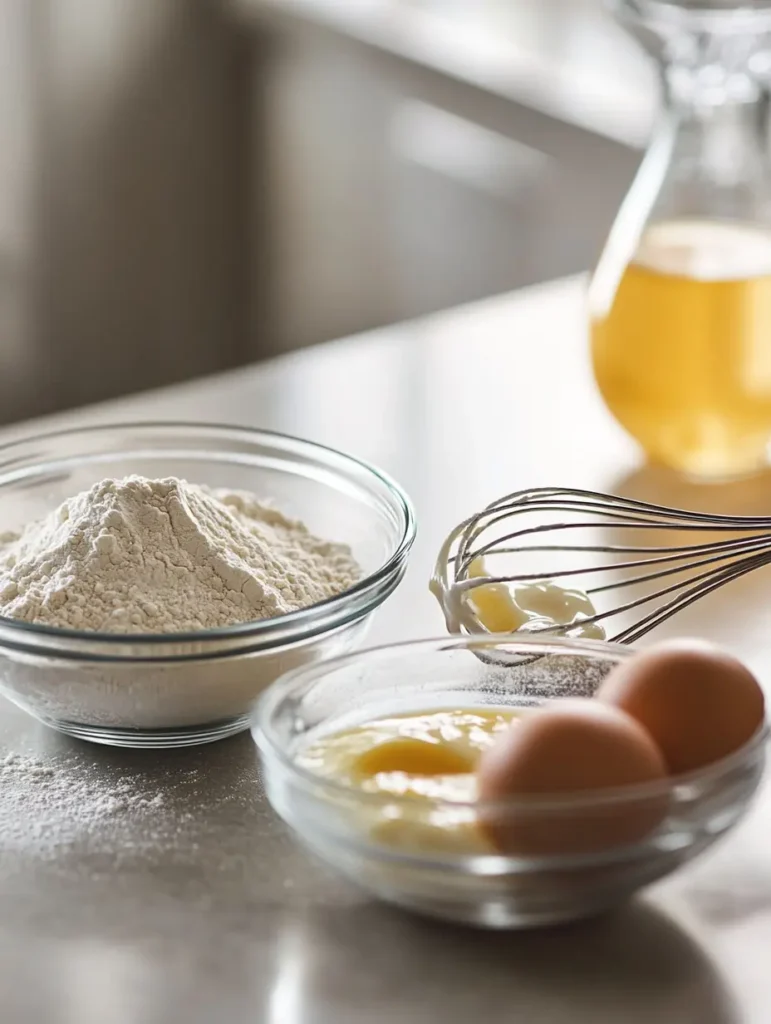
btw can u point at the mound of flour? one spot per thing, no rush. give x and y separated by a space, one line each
165 556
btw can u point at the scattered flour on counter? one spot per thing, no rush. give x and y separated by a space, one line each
165 556
14 766
44 806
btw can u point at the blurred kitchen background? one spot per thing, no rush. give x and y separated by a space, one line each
188 185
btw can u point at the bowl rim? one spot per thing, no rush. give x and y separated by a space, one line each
265 736
336 608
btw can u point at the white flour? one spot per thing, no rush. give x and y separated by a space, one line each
46 805
108 820
165 556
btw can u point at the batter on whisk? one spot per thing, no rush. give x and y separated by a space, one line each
505 608
645 578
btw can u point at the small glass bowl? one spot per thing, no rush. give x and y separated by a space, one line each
180 689
478 887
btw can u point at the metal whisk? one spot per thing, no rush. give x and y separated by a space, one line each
678 575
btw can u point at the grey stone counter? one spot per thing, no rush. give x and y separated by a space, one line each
153 888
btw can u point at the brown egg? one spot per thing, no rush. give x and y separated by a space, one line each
579 748
697 702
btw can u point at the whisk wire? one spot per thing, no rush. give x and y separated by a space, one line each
702 567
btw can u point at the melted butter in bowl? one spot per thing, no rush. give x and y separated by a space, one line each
428 757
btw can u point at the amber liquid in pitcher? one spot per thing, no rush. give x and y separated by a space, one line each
682 351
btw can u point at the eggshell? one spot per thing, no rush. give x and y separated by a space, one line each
699 703
569 752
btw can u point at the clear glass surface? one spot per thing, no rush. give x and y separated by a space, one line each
489 889
178 689
680 303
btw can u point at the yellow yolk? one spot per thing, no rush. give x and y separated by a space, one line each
430 756
412 756
502 608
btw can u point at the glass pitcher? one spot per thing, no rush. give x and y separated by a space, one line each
680 303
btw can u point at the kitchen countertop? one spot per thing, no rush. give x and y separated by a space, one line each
181 898
567 59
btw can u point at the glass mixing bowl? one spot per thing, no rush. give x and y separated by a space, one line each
344 826
179 689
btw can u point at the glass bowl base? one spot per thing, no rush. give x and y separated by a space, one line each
500 915
151 739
